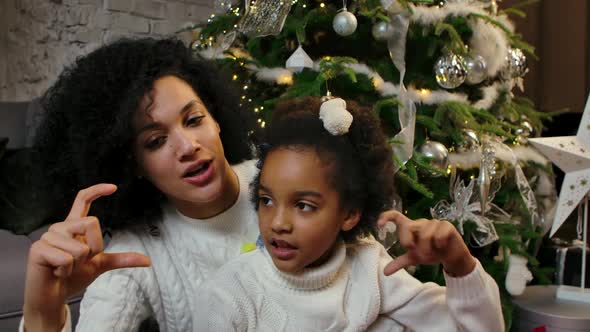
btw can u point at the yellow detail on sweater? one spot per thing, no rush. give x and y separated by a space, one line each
248 246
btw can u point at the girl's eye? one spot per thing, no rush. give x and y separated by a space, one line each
264 201
155 143
193 121
305 207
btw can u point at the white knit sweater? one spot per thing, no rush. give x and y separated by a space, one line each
347 293
184 254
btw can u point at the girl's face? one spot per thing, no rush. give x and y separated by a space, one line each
179 150
299 212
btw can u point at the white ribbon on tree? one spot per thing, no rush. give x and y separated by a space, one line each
400 22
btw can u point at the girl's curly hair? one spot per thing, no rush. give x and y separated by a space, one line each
86 136
360 162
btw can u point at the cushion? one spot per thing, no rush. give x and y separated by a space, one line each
23 208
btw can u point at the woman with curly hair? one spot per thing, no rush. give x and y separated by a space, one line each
158 140
326 174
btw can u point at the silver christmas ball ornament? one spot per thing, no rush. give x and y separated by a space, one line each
196 45
476 69
382 31
470 141
515 65
450 71
344 23
438 154
524 131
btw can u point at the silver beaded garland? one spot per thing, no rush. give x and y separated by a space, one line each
344 23
476 69
438 154
450 71
382 31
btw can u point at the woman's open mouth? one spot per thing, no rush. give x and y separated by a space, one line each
199 174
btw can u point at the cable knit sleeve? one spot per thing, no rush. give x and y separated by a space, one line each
468 303
117 300
114 302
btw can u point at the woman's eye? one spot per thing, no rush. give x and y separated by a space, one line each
155 143
305 207
194 120
264 201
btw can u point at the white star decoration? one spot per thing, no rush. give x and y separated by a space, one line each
572 155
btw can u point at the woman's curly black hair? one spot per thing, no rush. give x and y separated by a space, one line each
360 162
87 136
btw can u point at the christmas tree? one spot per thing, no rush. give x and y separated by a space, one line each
440 75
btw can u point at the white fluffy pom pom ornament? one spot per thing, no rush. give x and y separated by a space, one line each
336 118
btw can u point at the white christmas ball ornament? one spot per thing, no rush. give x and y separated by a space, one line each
382 31
476 69
344 23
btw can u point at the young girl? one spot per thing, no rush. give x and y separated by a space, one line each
326 173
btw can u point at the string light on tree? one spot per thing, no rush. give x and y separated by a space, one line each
424 92
285 79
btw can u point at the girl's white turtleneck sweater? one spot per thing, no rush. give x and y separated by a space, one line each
347 293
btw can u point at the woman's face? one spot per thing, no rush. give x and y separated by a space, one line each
179 150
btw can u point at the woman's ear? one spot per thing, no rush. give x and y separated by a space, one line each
351 220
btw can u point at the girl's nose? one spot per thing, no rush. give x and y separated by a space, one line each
281 223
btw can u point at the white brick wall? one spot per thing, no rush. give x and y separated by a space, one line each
43 36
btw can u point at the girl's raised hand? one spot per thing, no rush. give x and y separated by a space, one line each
67 258
428 242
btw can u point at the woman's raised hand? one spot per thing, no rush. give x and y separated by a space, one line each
67 258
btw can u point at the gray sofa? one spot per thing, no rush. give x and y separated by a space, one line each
18 123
